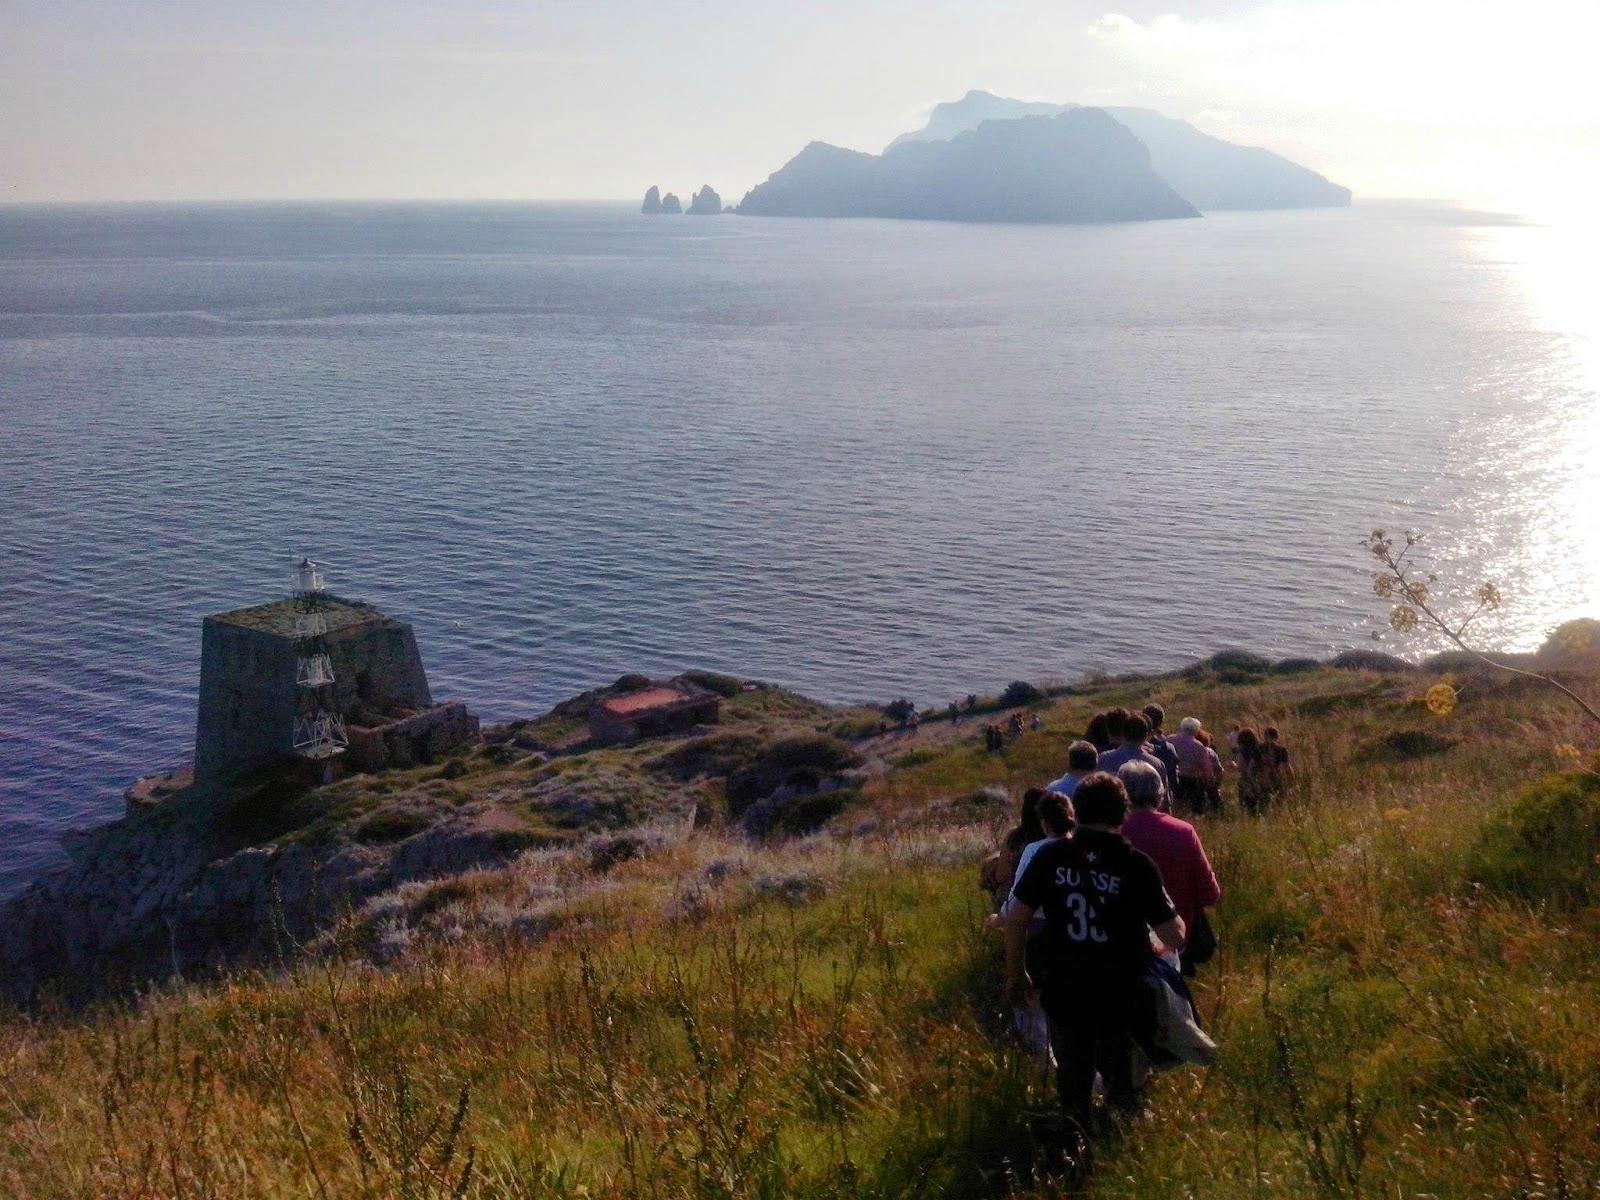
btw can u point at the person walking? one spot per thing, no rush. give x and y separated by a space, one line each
1101 901
1175 847
1081 762
1194 766
1134 731
1157 744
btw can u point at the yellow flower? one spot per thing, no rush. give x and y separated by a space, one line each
1403 618
1441 699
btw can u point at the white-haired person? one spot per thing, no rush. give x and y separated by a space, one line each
1199 768
1175 848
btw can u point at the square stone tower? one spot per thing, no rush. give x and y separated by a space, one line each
248 691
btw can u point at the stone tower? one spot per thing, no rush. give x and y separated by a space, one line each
249 691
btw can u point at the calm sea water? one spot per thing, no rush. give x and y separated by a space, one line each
859 458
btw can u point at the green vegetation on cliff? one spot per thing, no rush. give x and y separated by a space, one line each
1405 996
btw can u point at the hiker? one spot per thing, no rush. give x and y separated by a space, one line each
1175 848
955 713
1000 868
1213 772
993 739
1081 762
1132 749
1157 744
1056 815
1037 723
1101 900
1015 726
1194 766
1274 750
1255 773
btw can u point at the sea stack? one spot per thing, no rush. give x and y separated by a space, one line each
705 203
652 202
671 204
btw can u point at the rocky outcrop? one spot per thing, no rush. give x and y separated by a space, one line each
1078 167
184 890
705 203
652 202
671 204
1210 173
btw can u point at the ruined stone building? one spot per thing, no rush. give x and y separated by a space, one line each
248 690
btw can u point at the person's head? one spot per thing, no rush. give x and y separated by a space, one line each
1270 733
1028 818
1248 739
1116 719
1190 725
1134 730
1100 801
1155 715
1203 738
1081 757
1142 782
1055 811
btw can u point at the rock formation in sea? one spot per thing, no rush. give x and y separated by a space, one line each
652 201
705 202
671 204
1079 166
1210 173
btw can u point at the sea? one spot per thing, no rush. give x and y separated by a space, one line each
863 459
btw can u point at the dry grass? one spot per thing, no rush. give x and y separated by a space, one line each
693 1015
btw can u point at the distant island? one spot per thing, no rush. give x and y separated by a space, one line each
1210 173
991 158
1079 166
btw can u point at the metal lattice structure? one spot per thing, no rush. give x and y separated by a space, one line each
319 732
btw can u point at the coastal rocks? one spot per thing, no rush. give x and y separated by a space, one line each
652 202
705 203
671 204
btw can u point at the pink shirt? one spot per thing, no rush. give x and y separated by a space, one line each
1176 849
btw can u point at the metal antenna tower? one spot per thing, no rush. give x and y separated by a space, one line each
319 732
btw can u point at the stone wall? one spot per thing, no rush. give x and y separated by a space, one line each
421 737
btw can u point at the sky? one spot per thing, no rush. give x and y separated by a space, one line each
1490 103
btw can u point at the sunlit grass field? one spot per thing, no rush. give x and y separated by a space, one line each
1406 999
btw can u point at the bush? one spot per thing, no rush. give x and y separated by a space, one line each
1544 844
1232 661
1019 692
899 710
726 686
1370 660
1405 744
800 761
1295 666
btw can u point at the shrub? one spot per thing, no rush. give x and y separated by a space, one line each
1544 844
1295 666
899 710
800 761
807 814
390 825
726 686
1233 661
1402 745
1370 660
1019 692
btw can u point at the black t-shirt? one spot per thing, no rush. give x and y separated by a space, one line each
1100 898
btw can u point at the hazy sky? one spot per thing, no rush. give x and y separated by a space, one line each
1492 103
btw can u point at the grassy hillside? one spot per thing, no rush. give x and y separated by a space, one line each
1405 998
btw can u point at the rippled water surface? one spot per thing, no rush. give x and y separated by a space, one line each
858 458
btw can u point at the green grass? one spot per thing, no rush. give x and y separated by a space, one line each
1405 998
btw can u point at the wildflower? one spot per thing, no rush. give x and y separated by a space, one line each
1383 586
1403 618
1441 699
1416 592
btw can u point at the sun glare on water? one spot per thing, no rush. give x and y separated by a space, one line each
1551 274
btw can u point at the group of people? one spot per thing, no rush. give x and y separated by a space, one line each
996 736
1103 893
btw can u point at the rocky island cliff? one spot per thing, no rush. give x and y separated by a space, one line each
1212 174
1078 167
